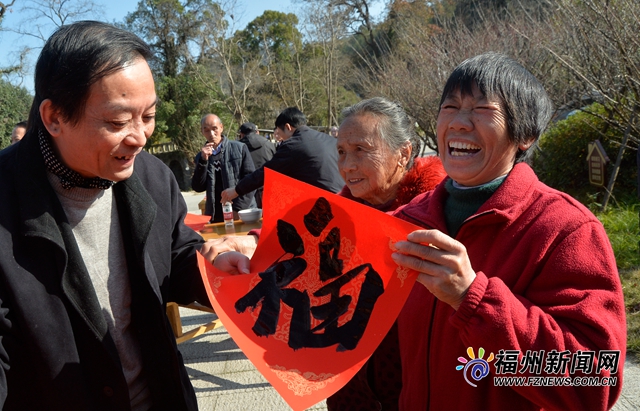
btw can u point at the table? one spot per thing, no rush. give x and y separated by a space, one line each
217 230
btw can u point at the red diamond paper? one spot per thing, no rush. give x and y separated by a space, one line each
306 375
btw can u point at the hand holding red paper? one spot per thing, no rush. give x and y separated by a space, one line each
322 293
443 264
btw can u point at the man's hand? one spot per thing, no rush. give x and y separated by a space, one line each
206 151
228 195
232 262
443 264
245 244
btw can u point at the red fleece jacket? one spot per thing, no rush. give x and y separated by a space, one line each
546 280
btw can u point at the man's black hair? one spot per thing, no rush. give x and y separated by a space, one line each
75 57
292 116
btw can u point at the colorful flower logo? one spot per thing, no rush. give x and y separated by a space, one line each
477 368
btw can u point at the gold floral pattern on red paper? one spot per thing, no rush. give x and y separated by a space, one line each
300 383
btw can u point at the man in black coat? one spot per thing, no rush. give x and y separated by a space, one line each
261 149
304 154
219 165
93 239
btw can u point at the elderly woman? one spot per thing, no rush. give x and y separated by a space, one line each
377 149
507 265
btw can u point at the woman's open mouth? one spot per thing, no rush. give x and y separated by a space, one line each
459 149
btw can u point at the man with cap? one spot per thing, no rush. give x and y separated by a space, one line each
260 148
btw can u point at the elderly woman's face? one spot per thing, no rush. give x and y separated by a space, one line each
473 138
370 169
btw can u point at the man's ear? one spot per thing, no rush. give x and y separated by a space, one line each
288 127
525 146
51 118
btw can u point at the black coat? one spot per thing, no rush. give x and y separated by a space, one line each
261 149
308 156
55 350
236 164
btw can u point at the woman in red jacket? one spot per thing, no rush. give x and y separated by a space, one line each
517 279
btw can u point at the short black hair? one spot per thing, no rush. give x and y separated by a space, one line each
74 58
292 116
21 124
527 106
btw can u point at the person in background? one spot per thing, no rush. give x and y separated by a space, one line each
333 132
304 154
18 132
94 243
260 148
507 265
220 165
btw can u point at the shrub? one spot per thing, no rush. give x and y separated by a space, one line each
562 160
15 103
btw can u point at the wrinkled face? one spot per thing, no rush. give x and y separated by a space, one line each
473 139
118 118
370 169
17 134
212 129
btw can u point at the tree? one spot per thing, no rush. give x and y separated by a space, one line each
15 103
274 38
422 46
600 49
237 68
171 27
327 29
186 90
4 7
42 16
178 119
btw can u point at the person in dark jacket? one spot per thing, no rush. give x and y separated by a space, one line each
304 154
261 150
93 239
220 165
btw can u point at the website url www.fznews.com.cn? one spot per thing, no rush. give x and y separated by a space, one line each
555 381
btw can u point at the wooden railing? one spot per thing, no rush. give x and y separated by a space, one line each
163 148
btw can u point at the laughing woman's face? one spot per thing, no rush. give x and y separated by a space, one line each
473 138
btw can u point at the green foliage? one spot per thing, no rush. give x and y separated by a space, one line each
183 100
562 161
631 289
15 103
171 27
273 32
621 225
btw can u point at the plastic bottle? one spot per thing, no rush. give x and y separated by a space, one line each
227 212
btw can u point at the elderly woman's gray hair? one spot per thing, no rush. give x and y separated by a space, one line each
395 127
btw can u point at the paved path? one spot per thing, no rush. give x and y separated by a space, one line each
225 380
